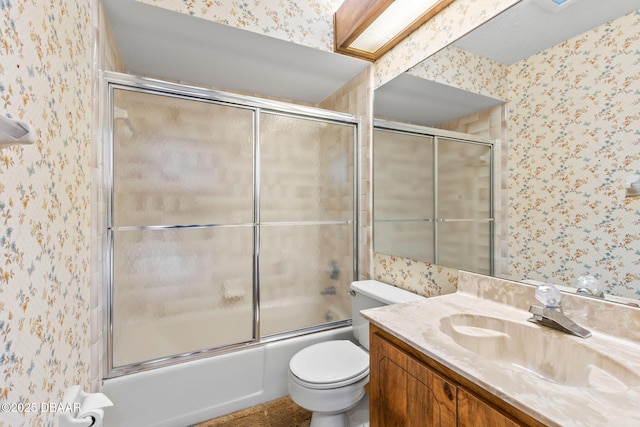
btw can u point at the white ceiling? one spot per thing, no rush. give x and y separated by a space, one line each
527 28
161 43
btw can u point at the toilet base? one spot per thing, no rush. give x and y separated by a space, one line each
358 416
328 420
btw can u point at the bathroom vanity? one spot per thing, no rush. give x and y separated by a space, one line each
409 388
473 359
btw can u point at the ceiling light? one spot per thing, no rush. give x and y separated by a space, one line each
368 29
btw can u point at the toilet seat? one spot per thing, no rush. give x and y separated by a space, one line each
329 364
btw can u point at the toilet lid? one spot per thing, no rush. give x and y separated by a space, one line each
329 362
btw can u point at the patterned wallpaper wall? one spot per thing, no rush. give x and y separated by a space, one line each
574 127
464 70
45 79
305 22
428 280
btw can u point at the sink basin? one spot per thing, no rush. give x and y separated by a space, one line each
548 355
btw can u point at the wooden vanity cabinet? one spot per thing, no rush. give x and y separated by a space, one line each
407 388
404 392
473 412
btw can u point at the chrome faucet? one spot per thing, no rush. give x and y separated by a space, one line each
551 315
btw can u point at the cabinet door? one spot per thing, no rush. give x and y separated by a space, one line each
404 392
472 412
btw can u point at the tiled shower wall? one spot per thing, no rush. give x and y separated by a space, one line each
404 177
353 98
356 97
152 188
112 61
313 152
333 252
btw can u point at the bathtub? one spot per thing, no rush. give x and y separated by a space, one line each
198 390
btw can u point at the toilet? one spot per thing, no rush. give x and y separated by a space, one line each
328 378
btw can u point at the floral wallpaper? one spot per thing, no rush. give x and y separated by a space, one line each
45 79
574 127
464 70
424 279
305 22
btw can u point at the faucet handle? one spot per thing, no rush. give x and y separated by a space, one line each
590 286
549 296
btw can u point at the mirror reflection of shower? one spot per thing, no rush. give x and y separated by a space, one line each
433 196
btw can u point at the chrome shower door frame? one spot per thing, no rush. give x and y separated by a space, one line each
112 81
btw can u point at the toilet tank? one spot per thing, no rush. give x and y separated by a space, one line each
371 294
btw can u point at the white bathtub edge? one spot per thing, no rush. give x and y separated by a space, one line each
207 388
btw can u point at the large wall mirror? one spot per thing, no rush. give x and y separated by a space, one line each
556 88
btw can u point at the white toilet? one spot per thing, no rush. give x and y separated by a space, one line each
328 378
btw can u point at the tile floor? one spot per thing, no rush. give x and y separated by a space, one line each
277 413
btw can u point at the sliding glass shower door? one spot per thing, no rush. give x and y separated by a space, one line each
182 224
229 223
306 217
